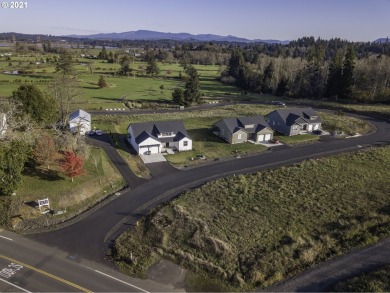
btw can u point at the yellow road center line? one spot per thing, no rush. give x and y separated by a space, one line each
46 274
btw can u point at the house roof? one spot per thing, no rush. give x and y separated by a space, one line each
298 115
80 115
142 131
253 124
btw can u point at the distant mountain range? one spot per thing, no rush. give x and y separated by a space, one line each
381 40
153 35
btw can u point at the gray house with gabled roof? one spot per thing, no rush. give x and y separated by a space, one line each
155 137
241 129
294 121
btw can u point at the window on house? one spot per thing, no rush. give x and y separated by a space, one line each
249 126
239 136
185 143
167 133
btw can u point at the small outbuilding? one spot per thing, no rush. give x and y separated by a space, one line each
80 122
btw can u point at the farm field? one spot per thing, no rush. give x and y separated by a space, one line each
250 231
137 87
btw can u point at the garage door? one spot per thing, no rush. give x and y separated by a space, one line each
153 149
261 137
267 137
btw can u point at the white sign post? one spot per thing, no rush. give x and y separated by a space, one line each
43 203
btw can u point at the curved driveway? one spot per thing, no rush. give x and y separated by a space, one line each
91 237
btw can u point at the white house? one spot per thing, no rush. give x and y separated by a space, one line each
157 137
80 121
3 124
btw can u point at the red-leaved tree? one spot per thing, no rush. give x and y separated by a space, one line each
72 165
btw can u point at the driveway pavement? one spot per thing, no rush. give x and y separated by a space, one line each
152 158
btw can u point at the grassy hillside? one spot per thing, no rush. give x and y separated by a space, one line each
254 230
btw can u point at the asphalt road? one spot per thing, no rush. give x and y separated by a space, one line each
28 266
90 238
323 276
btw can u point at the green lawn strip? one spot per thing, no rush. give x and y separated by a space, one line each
255 230
100 179
296 139
376 281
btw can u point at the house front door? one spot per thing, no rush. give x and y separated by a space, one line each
167 144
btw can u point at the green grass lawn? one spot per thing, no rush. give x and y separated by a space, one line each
297 139
254 230
137 87
376 281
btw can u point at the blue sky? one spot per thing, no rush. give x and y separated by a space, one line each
355 20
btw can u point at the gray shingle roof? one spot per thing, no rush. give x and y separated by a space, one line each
142 131
298 115
239 123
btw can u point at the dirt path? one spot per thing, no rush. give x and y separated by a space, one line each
321 277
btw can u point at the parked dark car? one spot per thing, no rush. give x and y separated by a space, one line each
318 131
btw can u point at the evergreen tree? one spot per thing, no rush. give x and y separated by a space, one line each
335 75
348 71
152 67
65 63
102 82
282 88
125 65
236 63
103 54
268 76
178 96
40 106
13 157
192 87
110 58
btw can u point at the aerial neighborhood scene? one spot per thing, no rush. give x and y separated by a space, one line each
195 146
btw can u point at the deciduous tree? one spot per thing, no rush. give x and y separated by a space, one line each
72 165
64 90
45 151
